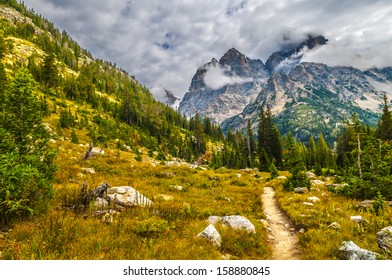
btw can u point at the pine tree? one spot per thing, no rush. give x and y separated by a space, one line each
26 162
250 143
384 125
269 137
323 152
312 152
50 73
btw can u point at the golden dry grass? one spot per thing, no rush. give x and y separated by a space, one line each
168 230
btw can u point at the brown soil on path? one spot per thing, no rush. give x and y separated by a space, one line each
282 235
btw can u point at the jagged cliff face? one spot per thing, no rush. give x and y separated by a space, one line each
306 98
222 89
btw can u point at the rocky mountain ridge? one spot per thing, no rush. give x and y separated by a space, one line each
307 98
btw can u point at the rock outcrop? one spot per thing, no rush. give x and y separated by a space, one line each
350 251
384 239
127 197
211 234
239 223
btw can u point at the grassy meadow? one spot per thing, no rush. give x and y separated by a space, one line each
320 241
167 230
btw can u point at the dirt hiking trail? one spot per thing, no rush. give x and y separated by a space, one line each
282 236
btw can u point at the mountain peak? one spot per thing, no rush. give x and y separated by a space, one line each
293 52
233 56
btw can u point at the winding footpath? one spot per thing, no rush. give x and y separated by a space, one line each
282 235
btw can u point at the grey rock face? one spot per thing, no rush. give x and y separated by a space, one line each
210 233
350 251
384 239
239 223
128 197
232 90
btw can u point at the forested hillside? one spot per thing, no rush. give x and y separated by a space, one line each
73 126
83 99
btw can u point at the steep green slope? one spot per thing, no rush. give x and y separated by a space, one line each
95 99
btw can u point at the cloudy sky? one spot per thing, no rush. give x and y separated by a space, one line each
163 43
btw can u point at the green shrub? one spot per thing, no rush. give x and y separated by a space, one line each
298 179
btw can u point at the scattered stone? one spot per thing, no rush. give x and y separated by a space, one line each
309 204
292 229
271 237
100 213
128 197
317 183
97 151
302 231
310 175
238 175
167 174
213 220
324 195
163 197
365 204
358 219
282 177
301 190
100 203
264 223
239 222
384 239
211 234
226 257
334 225
52 141
178 188
350 251
2 236
173 163
389 203
313 199
98 192
88 170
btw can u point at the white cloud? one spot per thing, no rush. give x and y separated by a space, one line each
163 43
216 78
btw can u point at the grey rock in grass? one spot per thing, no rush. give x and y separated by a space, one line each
384 239
100 203
334 225
211 234
313 199
239 223
350 251
358 219
128 197
301 190
365 204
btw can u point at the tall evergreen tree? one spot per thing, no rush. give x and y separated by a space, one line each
250 144
384 125
269 137
312 152
50 73
26 162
